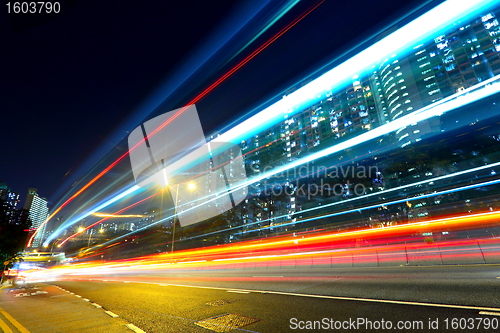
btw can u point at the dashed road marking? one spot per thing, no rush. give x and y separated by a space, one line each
135 328
238 291
86 299
342 298
488 313
96 305
111 314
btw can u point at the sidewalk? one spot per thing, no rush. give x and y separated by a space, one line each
40 308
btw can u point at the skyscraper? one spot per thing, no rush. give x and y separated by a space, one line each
10 201
38 210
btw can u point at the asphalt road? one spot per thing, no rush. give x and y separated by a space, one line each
476 285
279 300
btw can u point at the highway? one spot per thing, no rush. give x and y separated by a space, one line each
274 300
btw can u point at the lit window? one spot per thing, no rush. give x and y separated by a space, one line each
405 144
392 77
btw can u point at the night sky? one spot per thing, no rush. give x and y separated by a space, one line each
72 86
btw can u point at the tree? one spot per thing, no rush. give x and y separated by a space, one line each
14 231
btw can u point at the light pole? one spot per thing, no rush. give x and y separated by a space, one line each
191 187
175 213
88 245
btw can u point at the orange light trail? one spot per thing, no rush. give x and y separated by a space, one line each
389 244
197 98
331 238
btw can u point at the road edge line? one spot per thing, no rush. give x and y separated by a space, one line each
14 322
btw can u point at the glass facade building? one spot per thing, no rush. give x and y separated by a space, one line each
38 210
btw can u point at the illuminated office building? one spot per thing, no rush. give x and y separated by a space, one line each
38 210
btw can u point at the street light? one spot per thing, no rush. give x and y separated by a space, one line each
191 186
175 213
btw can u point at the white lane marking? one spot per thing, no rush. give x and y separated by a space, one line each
238 291
96 305
86 299
58 296
267 276
78 296
112 314
489 313
135 328
437 305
